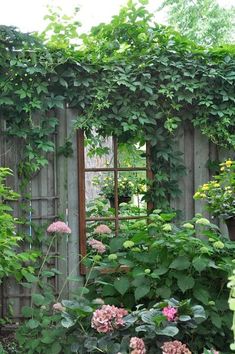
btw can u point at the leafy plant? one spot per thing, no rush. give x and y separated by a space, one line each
126 187
13 262
219 193
82 330
159 260
122 74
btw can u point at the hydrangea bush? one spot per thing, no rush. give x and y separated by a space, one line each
158 260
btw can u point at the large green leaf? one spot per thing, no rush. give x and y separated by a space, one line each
38 299
200 263
32 324
141 291
169 331
122 284
185 282
201 295
180 263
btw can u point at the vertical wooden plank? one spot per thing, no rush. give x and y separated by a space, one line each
189 165
178 203
201 173
62 192
73 241
2 163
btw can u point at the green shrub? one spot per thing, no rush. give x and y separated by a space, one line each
158 261
12 262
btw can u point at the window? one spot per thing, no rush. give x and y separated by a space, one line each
114 172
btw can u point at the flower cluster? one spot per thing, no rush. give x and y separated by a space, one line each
170 313
58 307
175 347
138 346
102 229
59 227
97 245
108 318
220 192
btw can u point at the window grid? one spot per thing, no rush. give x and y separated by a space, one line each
82 170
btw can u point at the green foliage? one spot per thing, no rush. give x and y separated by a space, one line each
41 333
61 29
219 193
12 262
203 21
164 261
131 78
71 330
126 187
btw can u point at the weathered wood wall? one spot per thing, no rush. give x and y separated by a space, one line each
54 192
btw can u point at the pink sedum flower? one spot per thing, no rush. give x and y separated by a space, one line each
102 229
170 313
175 347
97 245
58 307
138 346
59 227
108 318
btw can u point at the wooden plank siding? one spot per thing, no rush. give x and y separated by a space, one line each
54 194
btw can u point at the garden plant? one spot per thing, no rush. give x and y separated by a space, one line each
160 286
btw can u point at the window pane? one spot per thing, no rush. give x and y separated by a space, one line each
131 189
99 194
131 155
98 152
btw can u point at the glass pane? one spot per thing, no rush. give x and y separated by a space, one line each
98 152
129 228
99 194
131 189
131 155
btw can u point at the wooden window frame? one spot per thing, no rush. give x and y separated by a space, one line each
82 170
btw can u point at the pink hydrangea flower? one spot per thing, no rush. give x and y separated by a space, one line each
59 227
58 307
170 313
97 245
108 318
102 229
175 347
138 346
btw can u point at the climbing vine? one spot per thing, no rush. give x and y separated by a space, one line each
131 78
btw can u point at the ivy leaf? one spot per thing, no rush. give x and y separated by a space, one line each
122 285
6 101
63 82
